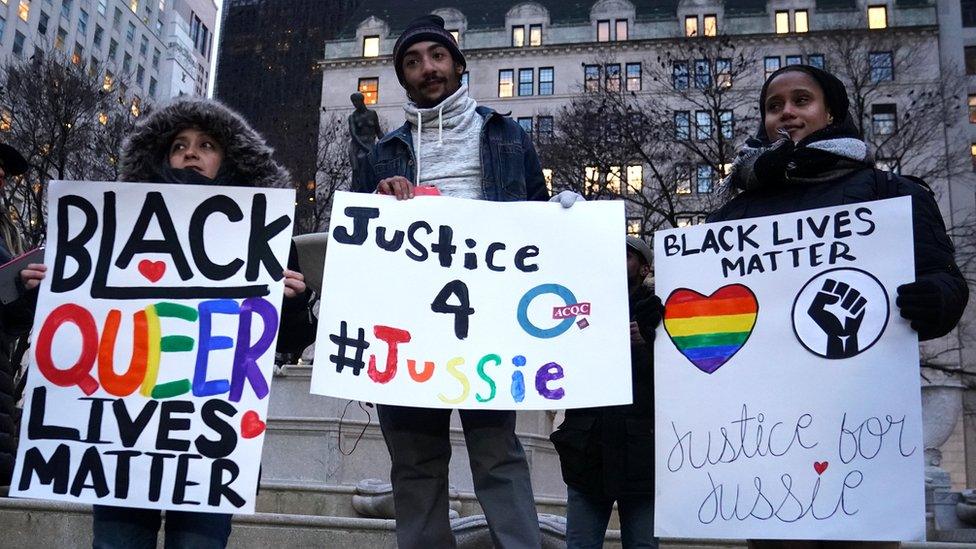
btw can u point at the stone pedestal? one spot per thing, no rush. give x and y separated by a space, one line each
941 406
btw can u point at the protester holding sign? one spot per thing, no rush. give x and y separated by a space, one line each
809 154
443 144
201 142
605 452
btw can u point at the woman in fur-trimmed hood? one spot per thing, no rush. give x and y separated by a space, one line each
809 154
248 161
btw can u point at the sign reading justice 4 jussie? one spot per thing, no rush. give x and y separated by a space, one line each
787 395
153 345
450 303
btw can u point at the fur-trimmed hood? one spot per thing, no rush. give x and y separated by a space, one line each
248 161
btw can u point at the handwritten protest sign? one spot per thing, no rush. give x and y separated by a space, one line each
451 303
153 345
787 394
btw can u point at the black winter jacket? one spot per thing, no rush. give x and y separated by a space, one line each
609 451
934 253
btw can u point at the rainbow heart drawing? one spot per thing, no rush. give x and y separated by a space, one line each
709 330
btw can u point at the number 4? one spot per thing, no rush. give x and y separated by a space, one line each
461 311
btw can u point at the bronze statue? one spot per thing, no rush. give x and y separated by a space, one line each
364 130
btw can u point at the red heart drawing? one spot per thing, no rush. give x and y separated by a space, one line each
251 424
152 270
820 466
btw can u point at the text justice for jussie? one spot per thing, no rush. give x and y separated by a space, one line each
420 248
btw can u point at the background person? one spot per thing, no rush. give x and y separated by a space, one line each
607 453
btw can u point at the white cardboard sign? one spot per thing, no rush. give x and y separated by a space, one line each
786 384
449 303
153 345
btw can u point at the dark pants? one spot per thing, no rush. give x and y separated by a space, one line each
587 518
420 449
123 528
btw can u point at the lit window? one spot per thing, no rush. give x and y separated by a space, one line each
684 221
24 10
547 175
613 77
710 25
134 109
102 118
591 78
78 54
60 38
546 77
134 5
518 36
621 28
526 84
613 179
456 34
691 25
506 82
591 177
535 35
800 21
603 31
682 178
370 88
634 77
371 46
782 22
972 109
635 179
877 17
6 121
108 81
634 226
884 118
972 152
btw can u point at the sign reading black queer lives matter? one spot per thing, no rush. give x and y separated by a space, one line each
450 303
787 389
153 345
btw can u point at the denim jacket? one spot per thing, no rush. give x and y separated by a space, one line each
510 168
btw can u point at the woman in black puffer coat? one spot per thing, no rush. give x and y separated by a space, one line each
809 154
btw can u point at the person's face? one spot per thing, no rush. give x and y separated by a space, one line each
193 149
430 74
796 104
637 271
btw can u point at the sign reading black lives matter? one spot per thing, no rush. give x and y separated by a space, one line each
787 394
153 345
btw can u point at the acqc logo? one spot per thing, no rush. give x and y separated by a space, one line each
570 311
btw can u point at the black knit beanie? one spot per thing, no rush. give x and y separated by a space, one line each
423 29
835 95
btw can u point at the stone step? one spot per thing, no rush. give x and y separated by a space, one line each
35 523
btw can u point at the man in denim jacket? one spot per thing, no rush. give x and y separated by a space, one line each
466 151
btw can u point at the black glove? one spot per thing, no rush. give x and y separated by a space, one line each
771 165
648 313
922 303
